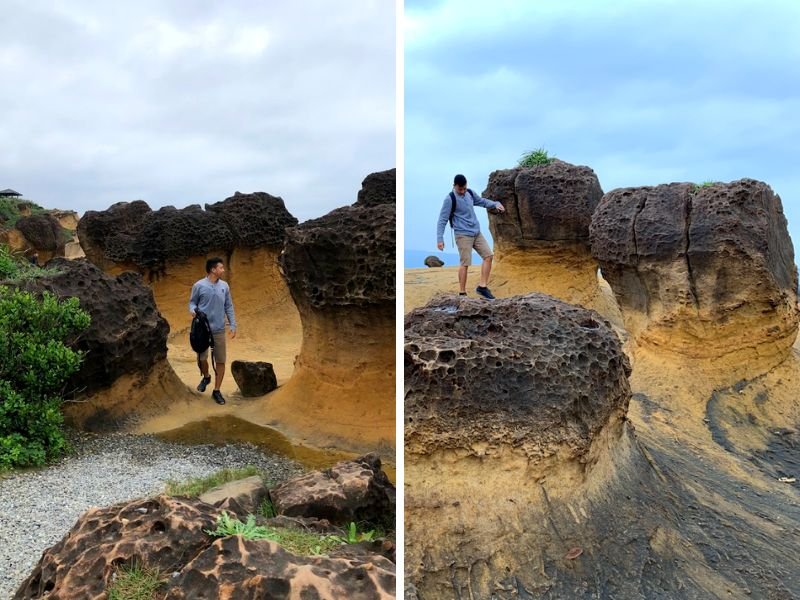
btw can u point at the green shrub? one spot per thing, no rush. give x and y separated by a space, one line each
35 363
534 158
9 210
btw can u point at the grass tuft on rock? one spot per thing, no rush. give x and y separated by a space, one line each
134 582
534 158
199 485
296 541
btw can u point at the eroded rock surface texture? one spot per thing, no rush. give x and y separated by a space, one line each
132 233
233 568
545 203
127 334
169 534
704 271
356 490
163 532
340 270
531 372
254 378
347 257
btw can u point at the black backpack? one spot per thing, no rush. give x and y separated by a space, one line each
200 336
453 204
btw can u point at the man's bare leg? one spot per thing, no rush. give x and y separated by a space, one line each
204 367
462 278
220 375
486 269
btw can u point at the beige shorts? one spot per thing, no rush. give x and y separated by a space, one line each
466 243
219 348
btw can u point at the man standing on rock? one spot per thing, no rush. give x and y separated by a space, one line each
458 210
212 296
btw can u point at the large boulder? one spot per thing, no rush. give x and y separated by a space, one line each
340 270
541 240
701 272
350 491
169 534
161 532
378 188
127 338
434 261
254 378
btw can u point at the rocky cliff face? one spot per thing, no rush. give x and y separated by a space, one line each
340 270
541 242
701 271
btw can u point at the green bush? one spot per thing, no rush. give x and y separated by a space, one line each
35 363
9 210
534 158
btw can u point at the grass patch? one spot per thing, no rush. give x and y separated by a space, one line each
199 485
295 541
534 158
9 210
267 509
134 582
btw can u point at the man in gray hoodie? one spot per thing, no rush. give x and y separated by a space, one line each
468 232
212 296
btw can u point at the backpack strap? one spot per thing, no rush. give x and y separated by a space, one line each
452 208
471 193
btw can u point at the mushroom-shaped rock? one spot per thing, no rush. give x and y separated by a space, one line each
340 270
541 240
40 233
169 247
434 261
511 408
125 346
702 272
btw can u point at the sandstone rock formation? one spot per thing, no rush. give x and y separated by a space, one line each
340 270
524 478
541 240
169 248
701 272
125 368
170 535
41 233
434 261
356 491
254 378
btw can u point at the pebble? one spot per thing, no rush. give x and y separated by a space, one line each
38 507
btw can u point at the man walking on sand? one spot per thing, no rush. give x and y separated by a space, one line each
458 210
212 296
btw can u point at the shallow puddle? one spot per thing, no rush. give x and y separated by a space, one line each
228 429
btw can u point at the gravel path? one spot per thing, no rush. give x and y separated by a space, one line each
38 507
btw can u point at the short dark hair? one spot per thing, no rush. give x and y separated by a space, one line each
459 180
212 262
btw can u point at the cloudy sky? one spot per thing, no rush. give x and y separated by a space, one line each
185 102
642 92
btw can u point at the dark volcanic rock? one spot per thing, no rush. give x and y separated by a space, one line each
346 258
551 202
133 233
235 568
378 188
356 490
43 232
256 220
254 378
434 261
531 372
127 333
713 261
163 532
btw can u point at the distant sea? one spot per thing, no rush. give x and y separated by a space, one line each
415 259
